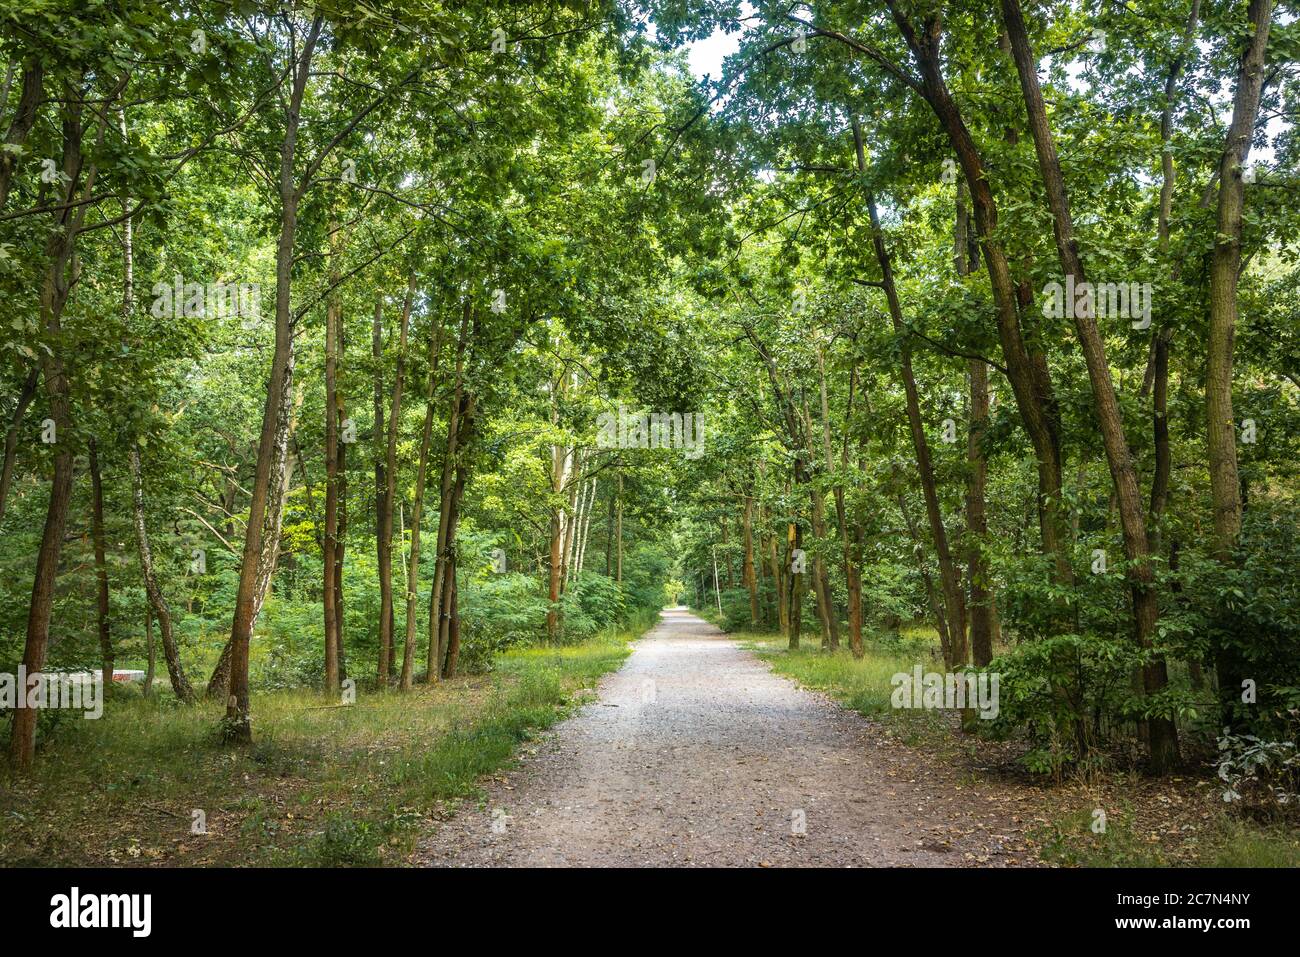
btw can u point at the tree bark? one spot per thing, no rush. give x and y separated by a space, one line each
180 684
60 275
101 567
1225 268
751 582
271 455
329 542
979 609
1027 368
950 579
417 509
386 614
1164 738
446 537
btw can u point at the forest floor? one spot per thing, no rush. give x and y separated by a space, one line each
697 754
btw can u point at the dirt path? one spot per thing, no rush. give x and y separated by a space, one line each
696 754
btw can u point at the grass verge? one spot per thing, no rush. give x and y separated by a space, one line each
323 784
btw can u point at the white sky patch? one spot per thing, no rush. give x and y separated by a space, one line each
706 56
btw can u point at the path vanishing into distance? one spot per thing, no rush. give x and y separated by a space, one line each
696 754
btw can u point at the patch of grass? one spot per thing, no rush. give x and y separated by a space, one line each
1071 841
323 784
862 684
1249 845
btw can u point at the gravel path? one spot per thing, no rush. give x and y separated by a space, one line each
696 754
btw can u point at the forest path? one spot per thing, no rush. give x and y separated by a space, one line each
696 754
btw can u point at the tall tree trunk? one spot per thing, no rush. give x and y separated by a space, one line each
1164 736
561 464
386 615
180 684
446 540
101 567
57 287
1026 365
271 453
619 529
1225 271
451 639
979 610
950 578
417 509
751 582
329 543
341 531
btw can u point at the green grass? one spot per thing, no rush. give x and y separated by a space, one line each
322 784
861 684
1250 845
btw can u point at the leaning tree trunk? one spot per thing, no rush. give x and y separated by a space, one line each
1163 732
949 577
1027 369
180 684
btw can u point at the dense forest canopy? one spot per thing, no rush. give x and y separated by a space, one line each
350 344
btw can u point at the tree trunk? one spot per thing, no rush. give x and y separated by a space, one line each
329 543
1027 368
101 568
386 614
413 575
619 529
57 287
751 582
271 452
950 579
1225 270
180 684
1164 739
446 540
148 639
979 610
795 589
